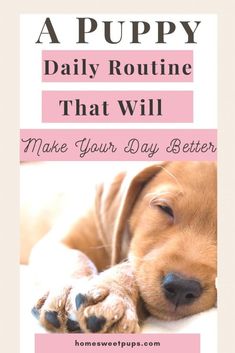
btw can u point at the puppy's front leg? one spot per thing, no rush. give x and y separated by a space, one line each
109 302
59 269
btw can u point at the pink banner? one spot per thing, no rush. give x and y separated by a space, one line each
117 106
135 343
117 145
117 66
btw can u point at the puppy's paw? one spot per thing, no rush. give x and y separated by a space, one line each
104 308
88 305
55 310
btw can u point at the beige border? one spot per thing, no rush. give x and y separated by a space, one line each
9 107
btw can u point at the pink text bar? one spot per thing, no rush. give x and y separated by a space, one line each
117 106
117 66
117 145
116 343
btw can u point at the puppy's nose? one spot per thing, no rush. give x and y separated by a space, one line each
179 290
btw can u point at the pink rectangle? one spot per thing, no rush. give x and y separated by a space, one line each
117 145
117 66
135 343
117 106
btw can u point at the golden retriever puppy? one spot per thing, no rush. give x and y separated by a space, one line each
148 243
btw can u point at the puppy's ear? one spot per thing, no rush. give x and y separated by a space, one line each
114 204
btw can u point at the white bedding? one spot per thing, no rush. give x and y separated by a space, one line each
204 323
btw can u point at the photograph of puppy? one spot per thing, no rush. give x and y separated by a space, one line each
145 246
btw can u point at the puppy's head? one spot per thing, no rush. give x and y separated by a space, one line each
163 217
173 240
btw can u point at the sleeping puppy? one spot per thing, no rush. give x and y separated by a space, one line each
148 243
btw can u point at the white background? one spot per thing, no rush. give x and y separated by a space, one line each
66 27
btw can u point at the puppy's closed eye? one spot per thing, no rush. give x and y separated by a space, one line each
167 209
164 207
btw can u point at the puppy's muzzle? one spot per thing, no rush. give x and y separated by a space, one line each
180 290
